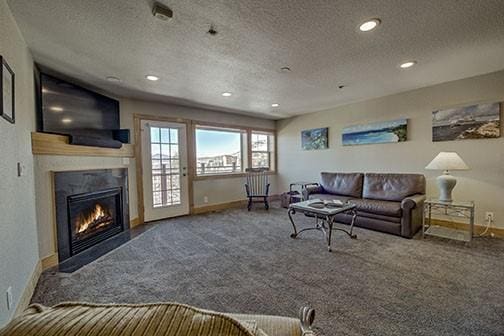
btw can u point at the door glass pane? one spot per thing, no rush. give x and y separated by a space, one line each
155 134
174 135
156 151
165 135
165 166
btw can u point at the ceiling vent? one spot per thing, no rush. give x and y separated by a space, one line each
162 12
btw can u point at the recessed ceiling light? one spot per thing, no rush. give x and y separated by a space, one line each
66 120
227 94
407 64
285 69
275 105
369 25
113 79
152 77
56 108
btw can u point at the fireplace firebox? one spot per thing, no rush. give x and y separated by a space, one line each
94 217
91 211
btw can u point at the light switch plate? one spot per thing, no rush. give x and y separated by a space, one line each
20 169
9 298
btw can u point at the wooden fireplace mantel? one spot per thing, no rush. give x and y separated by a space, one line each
52 144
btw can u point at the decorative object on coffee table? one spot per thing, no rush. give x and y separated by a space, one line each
446 161
459 210
257 186
7 87
324 212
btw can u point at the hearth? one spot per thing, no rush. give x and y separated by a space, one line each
91 213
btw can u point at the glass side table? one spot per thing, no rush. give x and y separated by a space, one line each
462 210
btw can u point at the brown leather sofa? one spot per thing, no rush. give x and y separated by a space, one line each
391 203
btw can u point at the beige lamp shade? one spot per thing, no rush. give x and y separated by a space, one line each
447 161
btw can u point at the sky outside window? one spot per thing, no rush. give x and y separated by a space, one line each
213 143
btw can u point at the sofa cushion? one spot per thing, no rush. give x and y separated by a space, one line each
136 319
392 187
385 208
370 223
272 325
392 219
346 184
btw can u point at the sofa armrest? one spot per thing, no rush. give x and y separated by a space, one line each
312 189
412 202
411 221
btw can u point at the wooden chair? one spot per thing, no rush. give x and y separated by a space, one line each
257 186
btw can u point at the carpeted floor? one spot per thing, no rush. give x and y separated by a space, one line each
239 261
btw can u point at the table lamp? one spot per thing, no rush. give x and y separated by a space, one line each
446 161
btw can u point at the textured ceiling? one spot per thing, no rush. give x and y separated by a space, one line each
319 40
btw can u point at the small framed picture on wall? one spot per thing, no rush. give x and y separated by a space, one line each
7 104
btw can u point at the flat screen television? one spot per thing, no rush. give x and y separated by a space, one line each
69 109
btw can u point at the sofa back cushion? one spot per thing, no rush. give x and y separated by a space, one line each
346 184
392 187
169 319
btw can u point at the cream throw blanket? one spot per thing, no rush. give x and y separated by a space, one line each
168 319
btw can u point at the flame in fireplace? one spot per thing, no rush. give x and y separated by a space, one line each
96 219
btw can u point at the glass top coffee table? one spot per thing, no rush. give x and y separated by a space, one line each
324 213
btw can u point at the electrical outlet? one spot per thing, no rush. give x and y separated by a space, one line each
489 216
205 199
10 301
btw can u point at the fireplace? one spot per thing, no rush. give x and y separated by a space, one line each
91 213
94 217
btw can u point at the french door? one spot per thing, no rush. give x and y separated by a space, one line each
165 176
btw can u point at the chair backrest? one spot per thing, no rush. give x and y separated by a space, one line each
257 181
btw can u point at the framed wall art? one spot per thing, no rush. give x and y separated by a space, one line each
374 133
7 98
478 121
316 138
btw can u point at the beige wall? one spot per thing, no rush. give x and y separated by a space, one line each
484 183
18 230
217 190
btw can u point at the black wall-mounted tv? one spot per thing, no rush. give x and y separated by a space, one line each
69 109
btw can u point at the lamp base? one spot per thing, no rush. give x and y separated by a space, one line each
446 183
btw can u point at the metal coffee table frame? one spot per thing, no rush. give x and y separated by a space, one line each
324 219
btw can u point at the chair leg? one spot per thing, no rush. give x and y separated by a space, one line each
266 204
249 206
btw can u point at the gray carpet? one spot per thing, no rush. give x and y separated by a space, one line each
236 261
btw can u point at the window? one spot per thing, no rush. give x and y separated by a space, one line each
218 151
262 150
165 166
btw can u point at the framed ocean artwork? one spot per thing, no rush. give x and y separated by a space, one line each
316 138
479 121
375 133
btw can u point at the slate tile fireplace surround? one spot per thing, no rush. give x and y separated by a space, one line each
92 215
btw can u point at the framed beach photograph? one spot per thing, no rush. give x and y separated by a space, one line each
478 121
375 133
7 89
316 138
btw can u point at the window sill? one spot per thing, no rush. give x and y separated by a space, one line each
224 176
